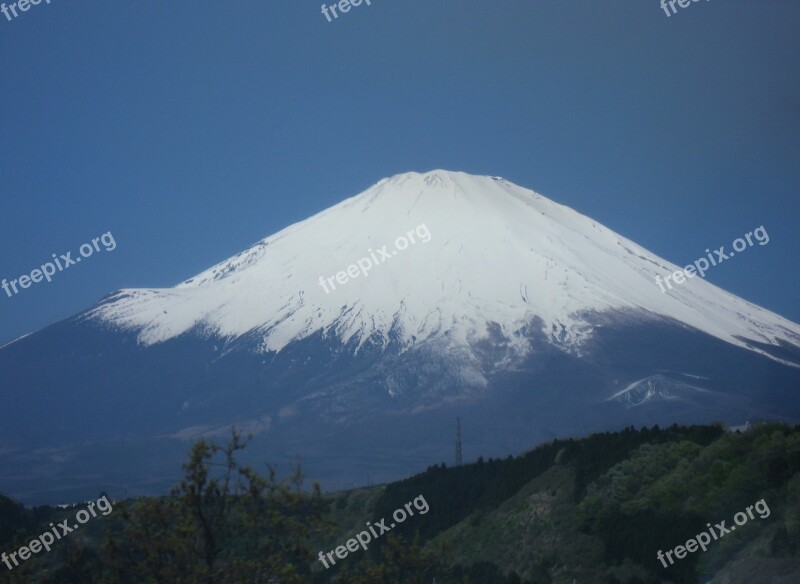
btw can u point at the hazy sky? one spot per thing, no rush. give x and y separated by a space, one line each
190 130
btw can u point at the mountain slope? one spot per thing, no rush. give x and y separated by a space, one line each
496 255
521 316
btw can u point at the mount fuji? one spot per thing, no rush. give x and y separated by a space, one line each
522 316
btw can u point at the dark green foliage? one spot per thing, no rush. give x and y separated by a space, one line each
404 563
666 493
595 455
455 493
603 506
785 544
229 526
483 573
15 520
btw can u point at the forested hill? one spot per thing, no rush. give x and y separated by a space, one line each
598 509
592 510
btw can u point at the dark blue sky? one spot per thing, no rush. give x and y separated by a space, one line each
192 129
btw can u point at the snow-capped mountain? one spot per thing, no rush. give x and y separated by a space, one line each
483 300
498 255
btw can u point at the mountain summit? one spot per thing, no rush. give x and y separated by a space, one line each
499 257
485 301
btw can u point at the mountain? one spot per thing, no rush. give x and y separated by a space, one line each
355 337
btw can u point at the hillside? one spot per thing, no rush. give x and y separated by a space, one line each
592 510
599 509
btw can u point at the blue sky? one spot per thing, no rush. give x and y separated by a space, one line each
192 129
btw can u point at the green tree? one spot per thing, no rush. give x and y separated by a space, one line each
224 523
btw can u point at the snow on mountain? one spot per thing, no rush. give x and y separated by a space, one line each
498 253
656 387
